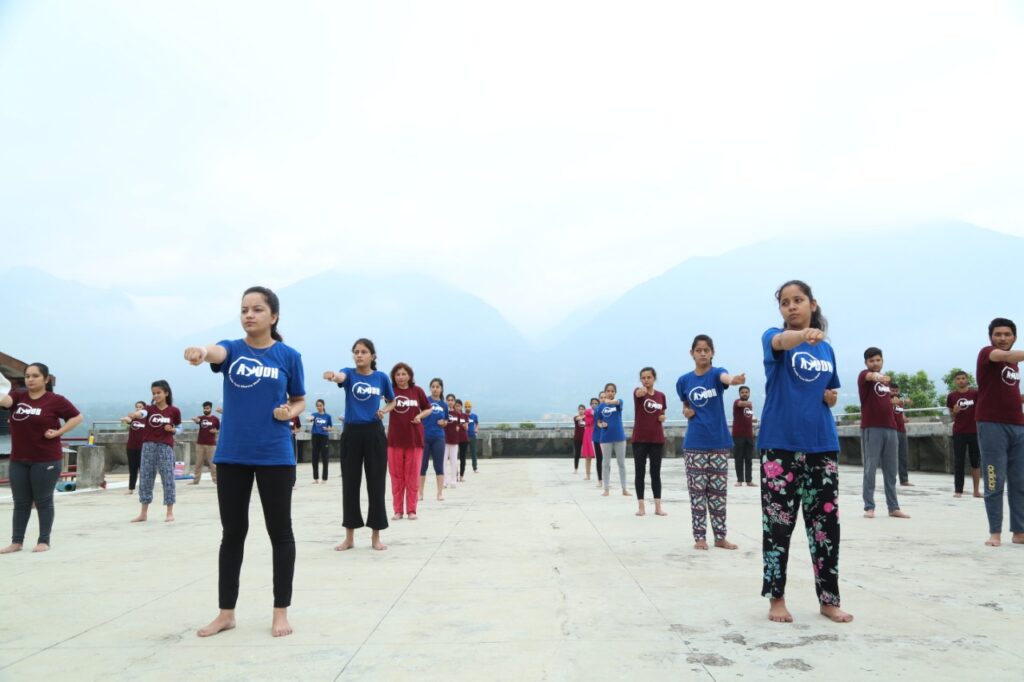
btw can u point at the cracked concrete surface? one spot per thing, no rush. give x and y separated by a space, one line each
525 572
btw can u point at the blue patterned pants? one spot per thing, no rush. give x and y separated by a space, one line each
156 457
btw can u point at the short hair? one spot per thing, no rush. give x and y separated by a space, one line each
961 373
207 404
1001 322
744 387
872 352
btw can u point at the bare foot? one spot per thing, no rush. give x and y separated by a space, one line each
139 519
994 540
1018 538
587 478
958 494
348 544
658 511
835 614
280 627
977 494
604 494
700 544
751 485
396 517
42 547
907 483
898 514
777 611
626 493
738 484
869 514
421 498
641 511
413 517
194 483
440 497
168 518
225 620
377 544
129 492
724 544
11 548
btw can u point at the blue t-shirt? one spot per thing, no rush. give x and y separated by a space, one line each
612 416
597 429
363 394
473 422
320 423
255 382
707 429
431 429
795 416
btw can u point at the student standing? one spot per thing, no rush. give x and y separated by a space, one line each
363 442
648 438
36 453
463 438
264 390
587 443
434 438
800 451
162 420
743 437
473 422
320 437
961 404
579 424
707 441
405 439
133 448
903 443
206 443
1001 429
879 439
451 444
595 437
613 437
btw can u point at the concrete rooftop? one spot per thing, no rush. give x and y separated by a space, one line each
524 573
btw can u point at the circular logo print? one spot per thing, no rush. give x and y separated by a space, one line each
964 403
1010 376
747 412
362 391
403 404
808 368
23 412
881 390
245 372
651 406
699 396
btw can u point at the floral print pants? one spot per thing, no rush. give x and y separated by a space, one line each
790 480
707 477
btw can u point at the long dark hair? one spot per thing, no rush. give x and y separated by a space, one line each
373 352
818 320
45 371
440 381
706 339
651 370
275 308
162 383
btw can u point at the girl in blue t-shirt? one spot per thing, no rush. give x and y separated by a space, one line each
364 445
707 442
263 391
613 437
595 403
433 437
800 451
321 434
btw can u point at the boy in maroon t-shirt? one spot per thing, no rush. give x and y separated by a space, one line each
879 439
743 436
898 404
1001 429
206 443
961 404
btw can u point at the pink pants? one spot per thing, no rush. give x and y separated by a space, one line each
404 467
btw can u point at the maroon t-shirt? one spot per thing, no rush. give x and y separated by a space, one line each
451 430
136 429
647 409
963 422
875 404
156 419
901 423
207 425
742 420
31 419
998 390
463 427
579 426
402 431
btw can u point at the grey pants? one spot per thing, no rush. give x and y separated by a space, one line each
880 447
156 457
904 454
33 482
619 449
1002 465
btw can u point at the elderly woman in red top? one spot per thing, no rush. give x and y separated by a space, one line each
36 454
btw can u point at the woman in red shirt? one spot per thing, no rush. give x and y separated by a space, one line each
162 421
405 440
36 453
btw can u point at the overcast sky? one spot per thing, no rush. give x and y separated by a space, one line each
544 155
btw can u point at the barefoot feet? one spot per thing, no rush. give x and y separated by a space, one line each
1018 538
348 544
869 513
413 517
280 627
994 540
377 544
626 493
42 547
724 544
641 511
13 547
604 494
396 517
777 611
898 514
835 614
139 519
225 620
700 544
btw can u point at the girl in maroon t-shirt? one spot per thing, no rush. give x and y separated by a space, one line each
405 440
36 453
162 420
648 438
451 444
133 448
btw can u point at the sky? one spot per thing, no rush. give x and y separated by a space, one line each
546 156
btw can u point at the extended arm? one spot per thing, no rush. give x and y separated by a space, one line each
1006 355
213 354
791 338
730 380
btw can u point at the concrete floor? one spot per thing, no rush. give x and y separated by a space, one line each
524 573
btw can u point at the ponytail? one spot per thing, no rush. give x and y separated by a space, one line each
275 308
818 319
370 347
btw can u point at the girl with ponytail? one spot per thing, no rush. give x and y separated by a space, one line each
263 391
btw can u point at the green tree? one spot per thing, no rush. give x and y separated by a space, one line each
950 379
851 413
920 390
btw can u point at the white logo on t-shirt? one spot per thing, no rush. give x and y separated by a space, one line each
700 396
158 420
23 412
1010 377
403 403
652 406
808 368
881 390
364 391
247 372
747 412
964 403
206 424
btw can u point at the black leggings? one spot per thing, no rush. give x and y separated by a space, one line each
134 461
321 451
964 444
32 483
597 453
743 456
364 446
641 453
234 488
463 449
576 449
